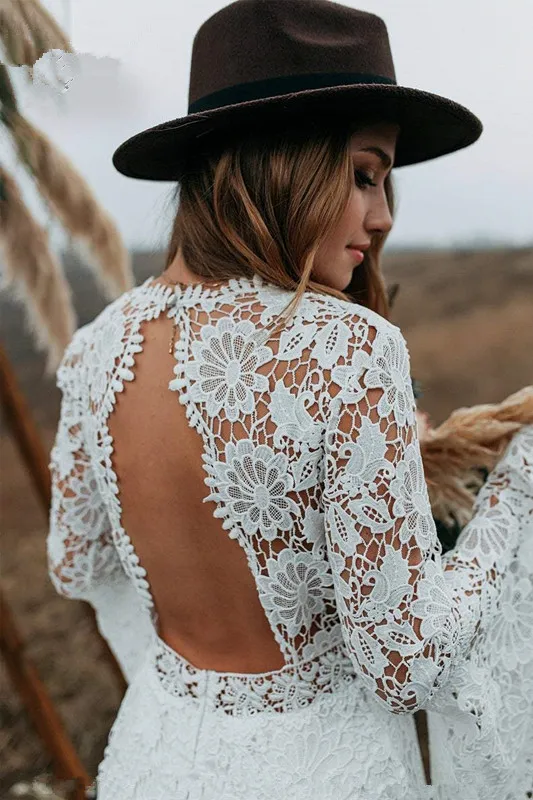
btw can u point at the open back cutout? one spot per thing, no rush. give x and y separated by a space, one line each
204 592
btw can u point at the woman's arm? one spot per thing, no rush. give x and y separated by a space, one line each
80 547
408 614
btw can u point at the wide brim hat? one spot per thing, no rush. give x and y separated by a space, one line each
265 64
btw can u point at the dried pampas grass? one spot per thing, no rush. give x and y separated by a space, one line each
30 267
29 31
69 196
469 441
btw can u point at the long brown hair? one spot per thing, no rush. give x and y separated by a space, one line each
264 203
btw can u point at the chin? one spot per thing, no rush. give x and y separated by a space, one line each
348 279
338 280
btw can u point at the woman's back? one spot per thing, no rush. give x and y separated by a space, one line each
204 590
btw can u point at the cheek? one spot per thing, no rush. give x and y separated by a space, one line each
354 213
349 226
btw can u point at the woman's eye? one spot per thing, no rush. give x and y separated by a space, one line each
363 179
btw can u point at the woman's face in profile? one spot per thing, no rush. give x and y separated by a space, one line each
367 212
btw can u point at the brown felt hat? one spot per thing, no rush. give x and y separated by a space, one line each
260 64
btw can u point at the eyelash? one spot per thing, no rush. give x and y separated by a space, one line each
362 179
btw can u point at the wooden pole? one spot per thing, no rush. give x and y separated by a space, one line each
38 704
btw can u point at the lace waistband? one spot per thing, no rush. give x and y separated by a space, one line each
239 694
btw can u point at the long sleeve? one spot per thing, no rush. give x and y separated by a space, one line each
408 613
80 548
480 725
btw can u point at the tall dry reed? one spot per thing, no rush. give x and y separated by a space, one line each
469 440
28 31
33 272
69 196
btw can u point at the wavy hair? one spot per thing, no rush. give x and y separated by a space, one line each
263 205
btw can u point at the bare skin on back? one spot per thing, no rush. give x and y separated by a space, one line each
205 595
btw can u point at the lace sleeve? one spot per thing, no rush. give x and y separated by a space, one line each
408 614
80 549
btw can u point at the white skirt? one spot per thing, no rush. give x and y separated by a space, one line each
341 746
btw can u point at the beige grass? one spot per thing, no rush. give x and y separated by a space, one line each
36 276
28 31
71 199
470 438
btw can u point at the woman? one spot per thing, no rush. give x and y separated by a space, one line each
299 610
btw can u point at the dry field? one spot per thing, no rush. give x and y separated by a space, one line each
468 319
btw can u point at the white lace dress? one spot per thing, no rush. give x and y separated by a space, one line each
330 505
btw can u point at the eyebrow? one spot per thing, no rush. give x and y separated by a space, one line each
384 158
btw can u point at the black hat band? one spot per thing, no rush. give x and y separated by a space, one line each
286 84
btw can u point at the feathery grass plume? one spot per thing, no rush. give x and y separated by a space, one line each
28 31
35 275
69 196
470 440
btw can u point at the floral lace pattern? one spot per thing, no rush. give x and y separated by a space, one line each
282 690
326 495
340 746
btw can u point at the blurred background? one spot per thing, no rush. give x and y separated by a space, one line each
461 250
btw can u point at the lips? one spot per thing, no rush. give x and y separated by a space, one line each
358 254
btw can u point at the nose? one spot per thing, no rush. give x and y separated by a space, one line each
379 218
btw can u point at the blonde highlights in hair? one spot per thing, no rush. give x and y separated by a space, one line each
262 205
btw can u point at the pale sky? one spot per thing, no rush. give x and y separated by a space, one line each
133 72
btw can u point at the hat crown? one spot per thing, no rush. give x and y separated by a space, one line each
257 48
